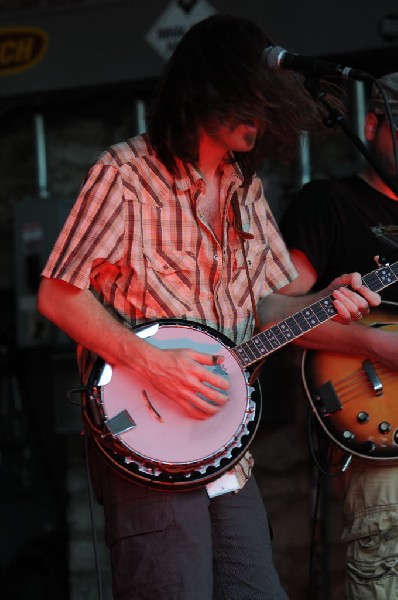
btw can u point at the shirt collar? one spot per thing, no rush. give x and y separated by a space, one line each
188 175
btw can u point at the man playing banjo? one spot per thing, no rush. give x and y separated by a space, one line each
173 224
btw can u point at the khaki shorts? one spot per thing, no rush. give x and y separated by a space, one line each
371 531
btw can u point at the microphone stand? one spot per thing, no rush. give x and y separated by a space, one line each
337 118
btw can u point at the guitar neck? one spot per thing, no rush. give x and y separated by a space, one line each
284 332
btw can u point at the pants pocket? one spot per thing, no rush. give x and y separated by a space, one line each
140 544
372 568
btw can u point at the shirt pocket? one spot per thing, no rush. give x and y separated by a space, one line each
170 283
256 255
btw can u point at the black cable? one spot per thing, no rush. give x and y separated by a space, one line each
93 524
315 459
77 390
321 472
313 535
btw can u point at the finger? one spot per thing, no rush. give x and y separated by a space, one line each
343 315
343 280
200 406
204 394
193 411
372 298
212 377
353 301
356 284
206 359
345 304
195 406
347 309
212 395
356 281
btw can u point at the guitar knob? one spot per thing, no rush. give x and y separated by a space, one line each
384 427
362 417
369 447
348 435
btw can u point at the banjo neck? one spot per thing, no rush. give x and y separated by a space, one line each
286 331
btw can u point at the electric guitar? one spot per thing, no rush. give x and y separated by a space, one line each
354 399
152 440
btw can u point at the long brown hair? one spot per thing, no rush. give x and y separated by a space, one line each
217 72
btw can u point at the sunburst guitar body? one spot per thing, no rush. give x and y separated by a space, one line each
355 399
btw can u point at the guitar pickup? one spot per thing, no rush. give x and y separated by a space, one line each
328 398
374 379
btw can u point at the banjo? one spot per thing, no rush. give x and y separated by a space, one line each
152 440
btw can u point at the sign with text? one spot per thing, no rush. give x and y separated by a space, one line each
174 22
21 48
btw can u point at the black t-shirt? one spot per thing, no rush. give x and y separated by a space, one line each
331 222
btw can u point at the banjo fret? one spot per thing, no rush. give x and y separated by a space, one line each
301 322
286 331
383 277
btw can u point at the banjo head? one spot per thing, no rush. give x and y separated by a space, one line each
154 440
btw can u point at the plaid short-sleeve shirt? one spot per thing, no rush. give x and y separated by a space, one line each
138 238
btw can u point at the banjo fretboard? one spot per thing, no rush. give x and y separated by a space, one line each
303 321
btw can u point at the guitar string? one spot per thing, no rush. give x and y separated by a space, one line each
379 367
359 391
355 383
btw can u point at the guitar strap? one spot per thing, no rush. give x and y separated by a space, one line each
243 236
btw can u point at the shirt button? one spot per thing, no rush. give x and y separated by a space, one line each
215 257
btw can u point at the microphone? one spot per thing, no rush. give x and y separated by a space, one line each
278 58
